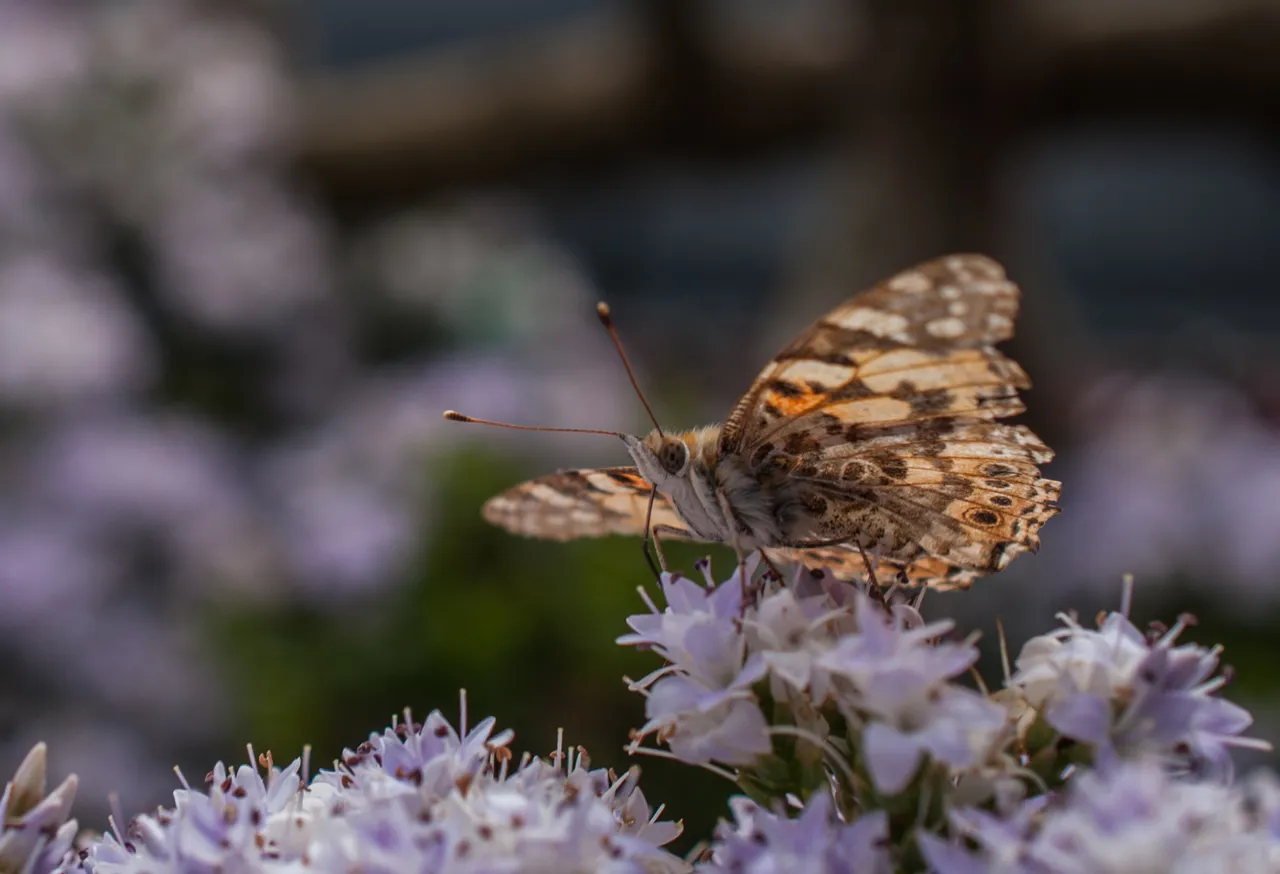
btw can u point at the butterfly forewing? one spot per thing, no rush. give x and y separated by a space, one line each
581 503
916 346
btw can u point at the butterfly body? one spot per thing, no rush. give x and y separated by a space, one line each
875 431
716 499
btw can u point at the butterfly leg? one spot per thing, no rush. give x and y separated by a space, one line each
866 559
732 523
657 541
773 569
649 531
880 594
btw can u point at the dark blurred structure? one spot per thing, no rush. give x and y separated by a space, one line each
319 223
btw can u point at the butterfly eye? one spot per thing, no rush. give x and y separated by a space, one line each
673 456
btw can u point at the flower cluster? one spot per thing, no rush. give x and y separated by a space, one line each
1133 816
845 720
816 697
1129 694
418 797
815 674
36 829
813 841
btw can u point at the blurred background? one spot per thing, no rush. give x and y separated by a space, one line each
250 250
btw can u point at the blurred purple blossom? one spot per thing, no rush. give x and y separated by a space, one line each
814 842
36 828
66 336
1175 477
239 256
148 204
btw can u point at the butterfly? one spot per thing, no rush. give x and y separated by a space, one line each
868 447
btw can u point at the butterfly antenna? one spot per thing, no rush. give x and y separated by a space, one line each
606 319
454 416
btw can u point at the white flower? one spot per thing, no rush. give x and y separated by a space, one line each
1098 662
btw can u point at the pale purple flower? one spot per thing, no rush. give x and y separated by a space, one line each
1167 463
701 703
65 335
793 630
344 535
432 756
41 49
815 842
161 472
899 686
230 98
1130 694
825 653
46 563
1133 817
423 798
702 725
239 255
36 828
699 633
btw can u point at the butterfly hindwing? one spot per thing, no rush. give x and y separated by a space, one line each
846 563
966 492
581 503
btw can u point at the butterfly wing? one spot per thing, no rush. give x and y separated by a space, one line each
875 428
945 502
915 347
583 503
846 563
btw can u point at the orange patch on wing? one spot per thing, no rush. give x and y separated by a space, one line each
794 399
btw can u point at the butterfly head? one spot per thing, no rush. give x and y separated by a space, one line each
659 457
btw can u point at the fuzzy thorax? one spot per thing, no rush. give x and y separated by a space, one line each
688 468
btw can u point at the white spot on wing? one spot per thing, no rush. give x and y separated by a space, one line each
983 286
820 371
551 497
999 322
946 327
878 322
911 282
